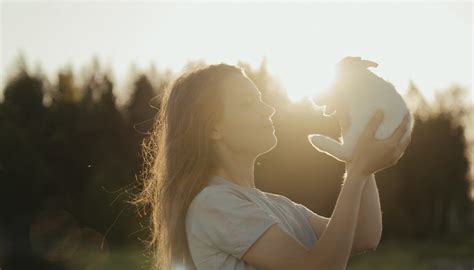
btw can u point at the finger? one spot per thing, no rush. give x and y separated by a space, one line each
401 148
374 123
405 143
397 156
402 128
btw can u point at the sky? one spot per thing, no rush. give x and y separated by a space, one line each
426 42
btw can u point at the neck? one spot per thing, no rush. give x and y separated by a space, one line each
236 168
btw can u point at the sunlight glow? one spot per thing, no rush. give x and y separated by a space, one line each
302 42
307 80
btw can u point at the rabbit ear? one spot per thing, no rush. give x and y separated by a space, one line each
367 63
355 62
348 61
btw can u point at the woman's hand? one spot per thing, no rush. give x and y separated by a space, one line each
372 155
344 120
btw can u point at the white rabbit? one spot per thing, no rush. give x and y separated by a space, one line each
355 95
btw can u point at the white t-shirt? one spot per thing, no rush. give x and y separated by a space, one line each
225 219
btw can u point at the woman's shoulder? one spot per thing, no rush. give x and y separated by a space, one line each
284 201
216 194
229 196
278 197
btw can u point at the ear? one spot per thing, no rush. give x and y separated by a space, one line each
215 134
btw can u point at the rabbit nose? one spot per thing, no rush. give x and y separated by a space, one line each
321 100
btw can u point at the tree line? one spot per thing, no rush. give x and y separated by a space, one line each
70 159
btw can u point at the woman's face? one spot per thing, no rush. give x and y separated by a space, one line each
245 126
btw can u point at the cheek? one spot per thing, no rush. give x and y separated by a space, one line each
241 127
243 132
242 119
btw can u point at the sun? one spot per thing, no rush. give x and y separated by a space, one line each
303 79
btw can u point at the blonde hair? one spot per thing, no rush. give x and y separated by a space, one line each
178 159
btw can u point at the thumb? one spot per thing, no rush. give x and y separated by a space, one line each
374 123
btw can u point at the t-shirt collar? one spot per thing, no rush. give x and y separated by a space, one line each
220 180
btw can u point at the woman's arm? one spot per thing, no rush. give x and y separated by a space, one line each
370 156
369 221
276 250
333 248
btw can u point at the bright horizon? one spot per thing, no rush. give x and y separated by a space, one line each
429 43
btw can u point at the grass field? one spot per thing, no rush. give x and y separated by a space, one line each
417 255
389 255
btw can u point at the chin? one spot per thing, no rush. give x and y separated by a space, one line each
268 145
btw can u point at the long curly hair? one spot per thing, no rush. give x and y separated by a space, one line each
179 158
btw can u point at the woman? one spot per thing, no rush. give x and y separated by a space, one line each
207 212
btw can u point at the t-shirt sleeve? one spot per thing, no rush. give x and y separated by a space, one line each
228 222
304 210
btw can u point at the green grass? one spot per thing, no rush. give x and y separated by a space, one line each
417 255
389 255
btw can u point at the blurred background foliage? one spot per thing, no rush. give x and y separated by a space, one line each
70 159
